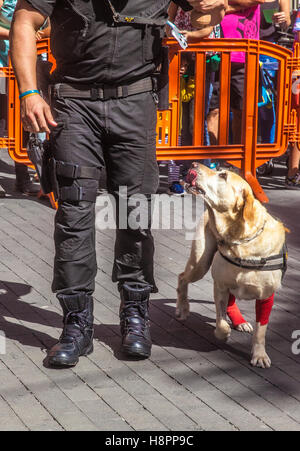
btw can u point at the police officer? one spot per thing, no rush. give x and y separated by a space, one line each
103 112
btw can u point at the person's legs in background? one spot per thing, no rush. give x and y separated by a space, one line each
24 184
208 95
292 180
3 102
237 99
213 126
213 112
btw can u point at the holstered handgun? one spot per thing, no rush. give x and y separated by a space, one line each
39 153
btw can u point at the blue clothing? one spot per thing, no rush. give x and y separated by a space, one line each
297 22
7 12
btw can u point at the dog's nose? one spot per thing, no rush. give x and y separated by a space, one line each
191 177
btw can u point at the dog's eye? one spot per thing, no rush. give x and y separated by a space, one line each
223 175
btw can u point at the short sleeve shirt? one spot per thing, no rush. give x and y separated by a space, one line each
112 55
46 7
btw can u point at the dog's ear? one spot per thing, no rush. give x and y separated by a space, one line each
249 211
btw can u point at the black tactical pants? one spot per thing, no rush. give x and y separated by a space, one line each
120 134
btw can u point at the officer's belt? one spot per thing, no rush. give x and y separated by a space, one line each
101 92
272 263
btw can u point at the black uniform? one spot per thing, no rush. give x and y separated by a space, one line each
91 49
102 98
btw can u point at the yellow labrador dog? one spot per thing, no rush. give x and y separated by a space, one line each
245 248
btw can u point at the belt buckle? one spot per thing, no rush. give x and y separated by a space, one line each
94 93
110 92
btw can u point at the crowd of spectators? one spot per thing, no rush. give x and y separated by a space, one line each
268 20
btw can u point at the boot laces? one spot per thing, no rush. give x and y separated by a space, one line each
138 311
74 325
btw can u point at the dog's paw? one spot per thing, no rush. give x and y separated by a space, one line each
260 358
223 331
245 327
182 311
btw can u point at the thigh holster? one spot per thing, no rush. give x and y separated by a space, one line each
72 182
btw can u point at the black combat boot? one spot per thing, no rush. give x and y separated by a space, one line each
77 337
134 315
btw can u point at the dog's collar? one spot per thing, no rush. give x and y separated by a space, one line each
222 242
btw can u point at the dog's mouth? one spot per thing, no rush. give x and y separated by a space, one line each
194 189
191 185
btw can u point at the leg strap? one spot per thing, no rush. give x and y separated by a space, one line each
75 193
234 312
263 310
74 171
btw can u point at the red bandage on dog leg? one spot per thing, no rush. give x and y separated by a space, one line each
263 310
234 312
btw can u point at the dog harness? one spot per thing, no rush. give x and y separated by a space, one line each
272 263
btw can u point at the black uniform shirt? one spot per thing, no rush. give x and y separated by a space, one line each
90 48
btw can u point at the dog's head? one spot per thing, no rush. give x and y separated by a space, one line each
228 195
222 190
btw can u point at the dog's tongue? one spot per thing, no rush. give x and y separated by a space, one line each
191 177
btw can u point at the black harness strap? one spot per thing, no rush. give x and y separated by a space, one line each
262 263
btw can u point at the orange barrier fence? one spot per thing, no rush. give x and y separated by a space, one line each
247 155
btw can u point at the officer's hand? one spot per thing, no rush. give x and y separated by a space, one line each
36 115
207 6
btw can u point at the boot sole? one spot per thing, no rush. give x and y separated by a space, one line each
60 363
134 353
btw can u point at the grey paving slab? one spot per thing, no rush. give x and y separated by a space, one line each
191 382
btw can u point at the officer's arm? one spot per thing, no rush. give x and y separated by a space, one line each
35 112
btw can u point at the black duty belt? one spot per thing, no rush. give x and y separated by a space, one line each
272 263
101 91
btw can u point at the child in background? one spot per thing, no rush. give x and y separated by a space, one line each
292 180
187 94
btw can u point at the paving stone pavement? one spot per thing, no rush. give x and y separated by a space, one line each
191 382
